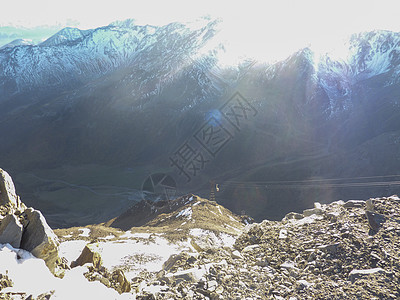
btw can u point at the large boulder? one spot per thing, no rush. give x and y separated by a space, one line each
89 255
11 231
7 190
39 239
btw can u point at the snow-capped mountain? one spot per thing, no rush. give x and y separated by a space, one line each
74 56
17 42
66 35
375 53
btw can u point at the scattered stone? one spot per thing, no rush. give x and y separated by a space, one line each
331 249
293 216
115 280
288 265
250 248
261 262
355 274
212 285
283 234
45 296
333 215
202 243
11 231
5 282
190 275
178 259
312 211
354 203
303 284
236 254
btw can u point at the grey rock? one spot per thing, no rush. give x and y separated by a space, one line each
355 274
11 231
354 203
88 255
261 262
283 234
312 211
39 239
172 260
369 205
7 190
289 265
375 220
190 275
332 215
303 284
294 216
331 249
236 254
250 248
212 285
203 243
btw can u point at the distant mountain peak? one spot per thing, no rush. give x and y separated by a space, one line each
18 42
124 23
67 34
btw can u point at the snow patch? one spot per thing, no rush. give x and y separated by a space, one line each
138 255
30 275
306 220
140 235
219 209
187 212
220 240
108 237
71 249
85 232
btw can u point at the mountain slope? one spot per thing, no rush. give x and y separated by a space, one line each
121 100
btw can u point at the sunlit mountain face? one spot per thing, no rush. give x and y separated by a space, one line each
88 116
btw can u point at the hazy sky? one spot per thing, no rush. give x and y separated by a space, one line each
314 14
288 22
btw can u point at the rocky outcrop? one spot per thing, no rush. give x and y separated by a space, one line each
9 200
25 228
7 190
39 239
11 231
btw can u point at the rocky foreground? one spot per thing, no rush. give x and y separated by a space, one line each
344 250
200 250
